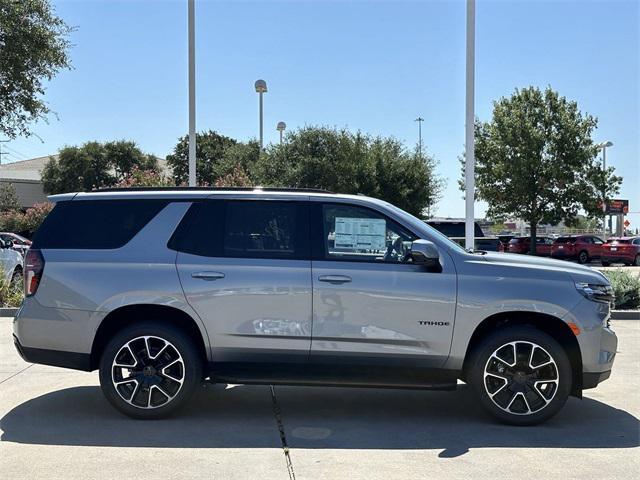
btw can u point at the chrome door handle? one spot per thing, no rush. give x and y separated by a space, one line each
208 275
334 278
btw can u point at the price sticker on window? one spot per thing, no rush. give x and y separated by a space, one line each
357 234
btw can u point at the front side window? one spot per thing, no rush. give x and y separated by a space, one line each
359 234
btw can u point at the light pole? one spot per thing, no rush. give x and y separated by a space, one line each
419 120
261 88
281 127
470 184
604 146
192 93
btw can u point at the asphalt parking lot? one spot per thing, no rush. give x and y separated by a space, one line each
54 423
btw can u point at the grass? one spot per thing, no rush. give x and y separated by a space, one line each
11 293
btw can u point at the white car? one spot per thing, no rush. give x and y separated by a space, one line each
11 262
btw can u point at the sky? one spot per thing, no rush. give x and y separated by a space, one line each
372 66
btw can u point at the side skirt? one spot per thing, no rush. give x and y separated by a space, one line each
334 376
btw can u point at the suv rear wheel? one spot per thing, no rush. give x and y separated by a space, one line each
521 375
149 370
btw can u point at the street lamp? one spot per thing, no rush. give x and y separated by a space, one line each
281 127
261 88
419 120
604 146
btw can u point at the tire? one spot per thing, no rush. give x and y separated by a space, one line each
583 257
516 394
605 264
16 276
172 370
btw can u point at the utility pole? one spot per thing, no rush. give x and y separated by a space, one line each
419 120
192 93
470 182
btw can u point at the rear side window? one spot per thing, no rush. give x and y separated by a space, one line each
245 229
95 224
264 229
565 239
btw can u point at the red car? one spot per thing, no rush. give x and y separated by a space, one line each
621 250
583 248
523 244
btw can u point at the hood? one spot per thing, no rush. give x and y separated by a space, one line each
579 273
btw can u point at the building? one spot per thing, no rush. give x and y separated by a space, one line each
25 175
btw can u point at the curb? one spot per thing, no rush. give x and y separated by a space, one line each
8 312
625 314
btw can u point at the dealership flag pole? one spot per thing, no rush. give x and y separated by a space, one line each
470 186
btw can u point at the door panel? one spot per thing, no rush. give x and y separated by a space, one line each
370 303
245 268
259 310
388 313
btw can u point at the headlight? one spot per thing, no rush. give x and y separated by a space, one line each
596 293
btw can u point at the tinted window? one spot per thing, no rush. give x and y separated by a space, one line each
264 229
95 224
200 231
636 241
565 240
359 234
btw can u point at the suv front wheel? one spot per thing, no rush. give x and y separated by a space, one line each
149 370
521 375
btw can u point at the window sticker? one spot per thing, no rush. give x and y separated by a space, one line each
356 234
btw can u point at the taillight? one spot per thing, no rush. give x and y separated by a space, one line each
33 268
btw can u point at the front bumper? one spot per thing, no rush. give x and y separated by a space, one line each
592 379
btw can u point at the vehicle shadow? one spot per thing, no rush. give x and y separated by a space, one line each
314 417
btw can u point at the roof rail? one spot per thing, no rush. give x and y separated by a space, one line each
183 189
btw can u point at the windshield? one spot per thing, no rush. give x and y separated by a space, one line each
419 224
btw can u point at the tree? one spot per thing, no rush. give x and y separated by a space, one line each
536 160
145 178
94 165
8 198
210 154
33 49
345 162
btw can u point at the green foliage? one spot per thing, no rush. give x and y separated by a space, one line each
11 293
626 287
316 157
345 162
145 178
536 160
33 49
235 178
210 158
8 197
94 165
25 223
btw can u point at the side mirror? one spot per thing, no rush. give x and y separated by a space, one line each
424 252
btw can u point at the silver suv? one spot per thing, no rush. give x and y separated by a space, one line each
161 290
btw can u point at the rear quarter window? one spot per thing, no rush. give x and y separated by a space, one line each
95 224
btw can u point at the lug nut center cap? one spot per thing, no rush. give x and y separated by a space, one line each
148 371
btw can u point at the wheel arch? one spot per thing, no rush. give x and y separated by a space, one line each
129 314
544 322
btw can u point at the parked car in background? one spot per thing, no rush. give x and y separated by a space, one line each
504 241
11 262
20 244
621 250
523 245
583 248
454 229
